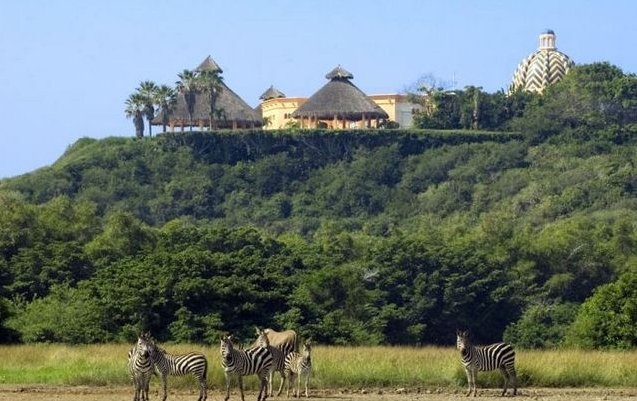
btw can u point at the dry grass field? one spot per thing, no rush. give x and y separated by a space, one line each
98 373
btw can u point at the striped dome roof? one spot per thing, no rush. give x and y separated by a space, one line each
543 67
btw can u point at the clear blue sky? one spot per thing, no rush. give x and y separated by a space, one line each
66 67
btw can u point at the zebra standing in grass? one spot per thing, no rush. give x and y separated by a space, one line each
179 365
298 365
140 368
253 361
495 356
278 360
285 342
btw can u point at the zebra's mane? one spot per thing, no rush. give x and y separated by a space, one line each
160 349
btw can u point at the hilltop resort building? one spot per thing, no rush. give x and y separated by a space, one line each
340 104
233 111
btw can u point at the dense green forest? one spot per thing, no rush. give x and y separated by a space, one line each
351 237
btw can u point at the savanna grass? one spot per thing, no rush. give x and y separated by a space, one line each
334 367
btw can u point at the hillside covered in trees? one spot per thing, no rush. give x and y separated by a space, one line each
356 237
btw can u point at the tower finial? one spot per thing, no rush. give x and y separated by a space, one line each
547 40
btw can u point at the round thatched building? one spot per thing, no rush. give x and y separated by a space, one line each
339 104
233 111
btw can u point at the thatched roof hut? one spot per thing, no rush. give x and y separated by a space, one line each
234 112
271 93
339 101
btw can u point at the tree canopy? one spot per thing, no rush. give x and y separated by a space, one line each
352 237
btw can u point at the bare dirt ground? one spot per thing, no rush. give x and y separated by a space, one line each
55 393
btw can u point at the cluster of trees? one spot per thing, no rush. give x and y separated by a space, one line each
470 108
591 97
150 100
350 237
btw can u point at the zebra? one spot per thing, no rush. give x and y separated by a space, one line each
253 361
179 365
278 360
495 356
140 368
298 365
285 342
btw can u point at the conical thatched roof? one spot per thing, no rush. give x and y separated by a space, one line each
208 65
233 109
339 72
340 98
271 93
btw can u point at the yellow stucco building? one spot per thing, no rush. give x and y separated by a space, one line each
337 105
277 112
398 108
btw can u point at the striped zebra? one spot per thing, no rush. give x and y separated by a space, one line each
495 356
285 342
179 365
278 360
140 368
253 361
299 366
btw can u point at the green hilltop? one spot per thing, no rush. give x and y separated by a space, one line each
364 237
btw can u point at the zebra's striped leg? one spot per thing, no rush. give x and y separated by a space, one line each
472 382
269 388
263 388
468 373
203 389
135 388
514 378
145 386
164 383
290 380
281 386
505 375
227 386
241 387
307 380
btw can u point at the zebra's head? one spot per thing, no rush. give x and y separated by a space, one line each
462 340
226 348
307 349
143 348
262 339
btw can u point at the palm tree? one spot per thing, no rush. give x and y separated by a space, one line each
187 85
135 109
166 99
148 90
210 82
